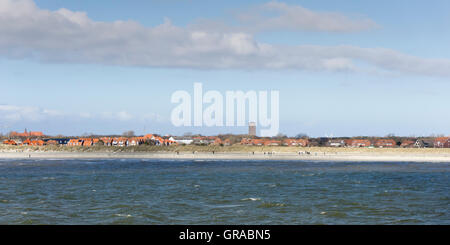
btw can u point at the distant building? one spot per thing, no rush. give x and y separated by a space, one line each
252 129
272 142
227 142
59 141
183 140
385 143
358 143
442 142
26 134
218 141
407 143
33 142
246 141
336 143
75 142
9 142
204 140
424 143
135 141
296 142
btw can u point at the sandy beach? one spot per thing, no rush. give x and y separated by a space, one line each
316 156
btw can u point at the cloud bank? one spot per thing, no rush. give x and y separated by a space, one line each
13 113
281 16
28 32
10 114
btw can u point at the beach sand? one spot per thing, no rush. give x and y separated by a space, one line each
315 156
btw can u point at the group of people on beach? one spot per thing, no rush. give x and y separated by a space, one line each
269 153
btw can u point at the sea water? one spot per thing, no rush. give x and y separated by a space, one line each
134 191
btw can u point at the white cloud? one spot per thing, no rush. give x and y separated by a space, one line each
281 16
12 113
152 117
124 116
66 36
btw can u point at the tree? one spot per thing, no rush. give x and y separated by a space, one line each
280 136
301 136
129 133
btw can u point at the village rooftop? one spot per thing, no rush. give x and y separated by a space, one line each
40 139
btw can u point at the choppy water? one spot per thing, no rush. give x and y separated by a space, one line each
222 192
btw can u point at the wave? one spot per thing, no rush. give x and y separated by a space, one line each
225 206
271 205
123 215
251 199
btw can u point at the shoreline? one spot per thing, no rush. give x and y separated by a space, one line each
318 156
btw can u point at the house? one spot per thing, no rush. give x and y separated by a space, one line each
9 142
26 134
204 140
336 143
51 142
183 140
164 142
358 143
272 142
424 143
218 141
169 142
442 142
407 143
260 142
295 142
120 141
59 141
106 141
158 140
75 142
245 141
88 142
37 142
33 142
385 143
227 142
149 137
135 141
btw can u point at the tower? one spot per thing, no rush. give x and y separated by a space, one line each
252 129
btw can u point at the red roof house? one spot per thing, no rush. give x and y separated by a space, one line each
383 143
358 143
442 142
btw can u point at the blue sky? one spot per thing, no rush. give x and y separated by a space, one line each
343 68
